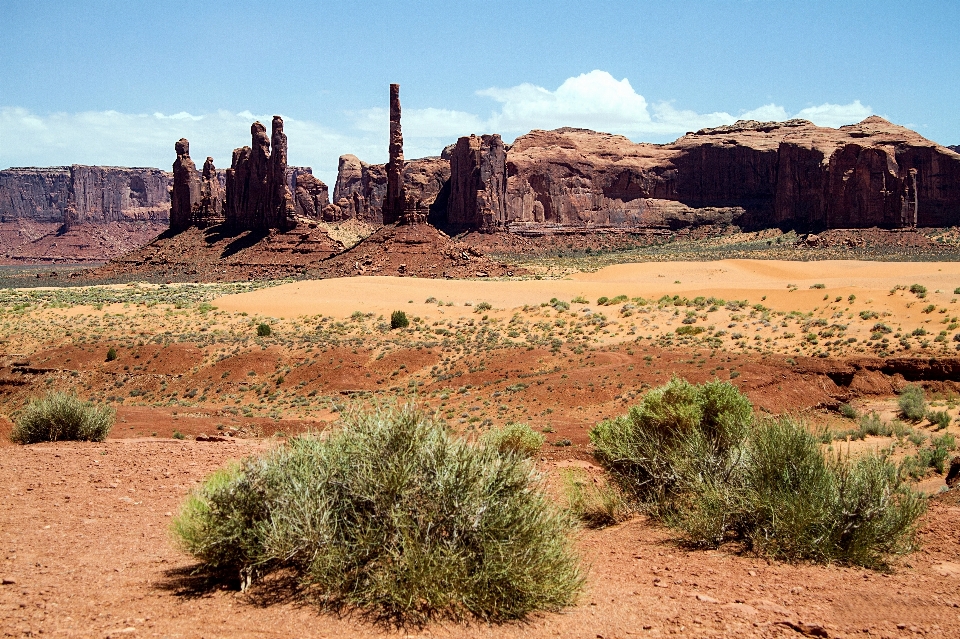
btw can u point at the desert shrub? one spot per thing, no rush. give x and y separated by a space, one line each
59 417
689 330
935 457
848 411
919 290
514 438
393 516
111 354
799 504
818 286
678 433
708 470
603 301
868 315
912 403
579 299
398 319
595 504
940 418
482 306
872 425
264 330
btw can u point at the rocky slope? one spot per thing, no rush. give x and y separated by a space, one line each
219 254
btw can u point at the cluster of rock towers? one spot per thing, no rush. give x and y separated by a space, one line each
260 192
253 195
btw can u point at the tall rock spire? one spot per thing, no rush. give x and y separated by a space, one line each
185 198
393 205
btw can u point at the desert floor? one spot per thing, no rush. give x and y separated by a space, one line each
83 527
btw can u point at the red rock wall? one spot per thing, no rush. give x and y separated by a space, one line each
752 174
478 184
85 194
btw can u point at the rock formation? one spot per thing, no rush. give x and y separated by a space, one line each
81 194
751 174
395 201
955 148
361 189
313 200
258 197
185 196
211 196
478 184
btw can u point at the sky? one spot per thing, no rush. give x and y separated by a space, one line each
118 82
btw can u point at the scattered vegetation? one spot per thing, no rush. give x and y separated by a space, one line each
694 457
61 416
393 516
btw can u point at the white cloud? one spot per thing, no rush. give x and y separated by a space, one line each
591 100
766 113
597 100
835 115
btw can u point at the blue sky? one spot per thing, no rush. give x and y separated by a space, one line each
118 82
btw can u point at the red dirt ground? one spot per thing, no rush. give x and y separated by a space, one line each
86 553
83 527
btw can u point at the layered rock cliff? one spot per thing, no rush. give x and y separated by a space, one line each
478 184
84 194
751 174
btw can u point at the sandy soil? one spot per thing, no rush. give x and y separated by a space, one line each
86 553
728 279
83 526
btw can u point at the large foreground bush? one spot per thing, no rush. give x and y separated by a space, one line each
693 456
59 417
394 516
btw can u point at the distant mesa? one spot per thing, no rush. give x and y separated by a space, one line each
749 176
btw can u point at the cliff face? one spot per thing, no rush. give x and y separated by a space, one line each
753 174
361 188
478 184
84 194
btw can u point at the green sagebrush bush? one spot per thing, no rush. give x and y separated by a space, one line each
677 432
717 475
398 319
393 516
912 403
514 438
59 417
